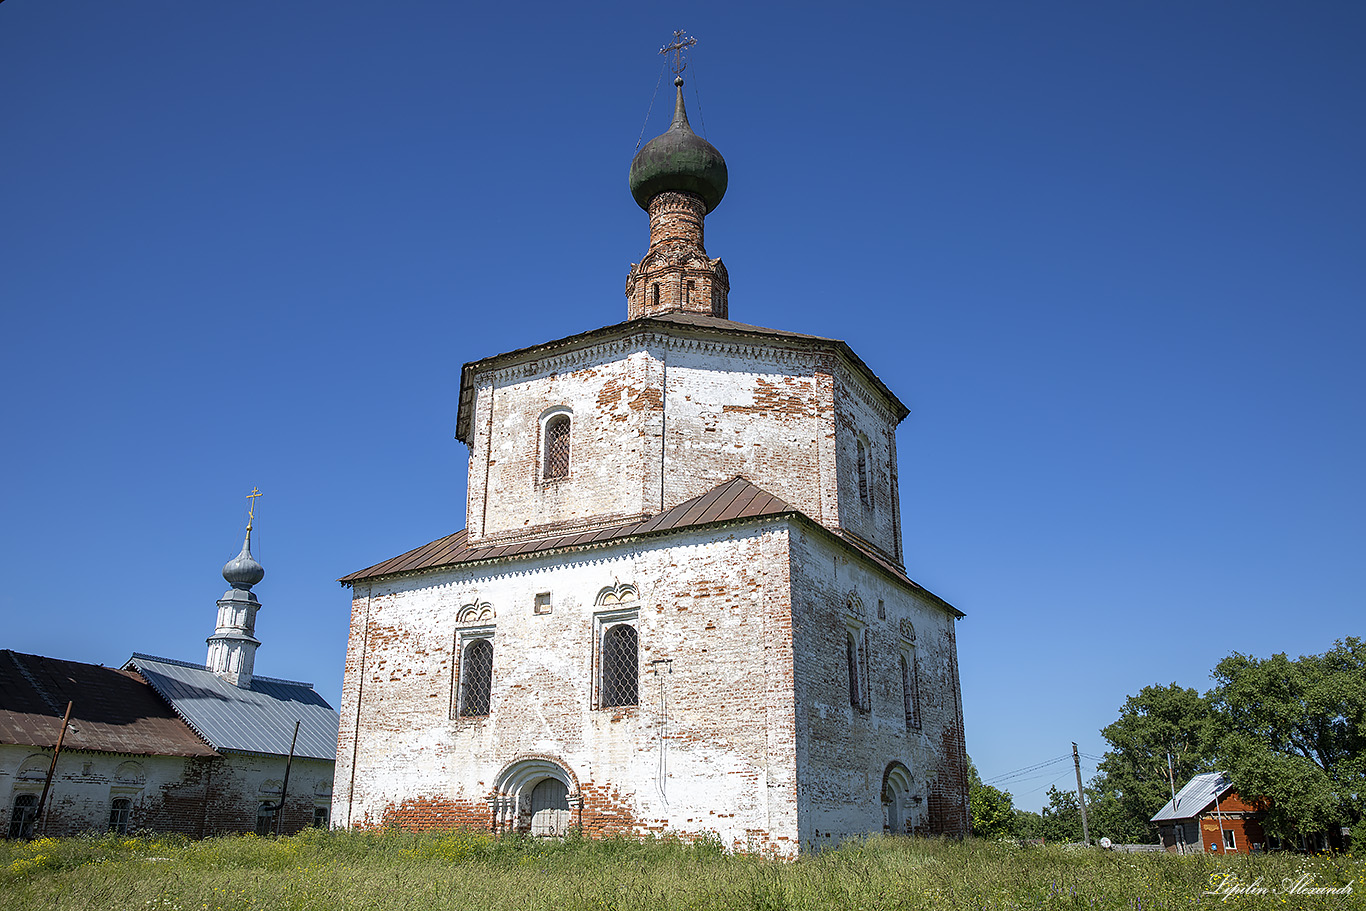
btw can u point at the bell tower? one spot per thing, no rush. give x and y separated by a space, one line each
232 647
678 178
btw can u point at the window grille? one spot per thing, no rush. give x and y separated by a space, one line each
851 654
910 690
863 494
120 815
550 808
620 673
476 678
22 817
320 817
265 818
557 447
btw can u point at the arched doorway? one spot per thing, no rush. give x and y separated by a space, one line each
536 795
897 800
550 807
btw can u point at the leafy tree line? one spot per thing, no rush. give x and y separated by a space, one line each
1291 731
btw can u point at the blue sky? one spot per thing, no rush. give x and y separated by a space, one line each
1111 255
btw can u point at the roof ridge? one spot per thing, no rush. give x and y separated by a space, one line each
168 700
256 677
174 661
33 681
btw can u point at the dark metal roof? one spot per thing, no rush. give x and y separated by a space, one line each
256 720
663 322
735 500
113 711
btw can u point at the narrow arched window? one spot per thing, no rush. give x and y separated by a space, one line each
22 816
557 447
476 678
265 817
620 674
910 690
120 815
863 493
851 655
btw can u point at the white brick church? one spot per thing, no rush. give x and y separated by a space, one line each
678 603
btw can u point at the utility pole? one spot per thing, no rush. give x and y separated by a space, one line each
1171 779
38 819
1081 797
284 785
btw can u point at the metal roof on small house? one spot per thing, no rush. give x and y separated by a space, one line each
259 719
1195 797
112 711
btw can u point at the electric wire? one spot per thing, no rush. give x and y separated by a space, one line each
1005 776
651 108
698 98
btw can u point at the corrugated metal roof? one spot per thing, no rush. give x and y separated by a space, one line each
112 711
664 322
1195 797
256 720
732 501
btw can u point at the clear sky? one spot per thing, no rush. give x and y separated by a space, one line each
1112 255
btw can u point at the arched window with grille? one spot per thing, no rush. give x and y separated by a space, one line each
620 670
120 815
556 448
476 678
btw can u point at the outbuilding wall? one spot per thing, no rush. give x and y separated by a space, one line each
195 797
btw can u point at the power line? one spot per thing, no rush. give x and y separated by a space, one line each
1018 772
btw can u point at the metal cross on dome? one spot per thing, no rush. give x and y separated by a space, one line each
251 501
678 47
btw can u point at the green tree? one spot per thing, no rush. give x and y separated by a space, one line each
993 814
1294 733
1132 781
1062 817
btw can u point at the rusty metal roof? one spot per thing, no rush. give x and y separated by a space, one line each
113 711
735 500
662 322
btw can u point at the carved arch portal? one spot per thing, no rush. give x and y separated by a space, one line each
536 794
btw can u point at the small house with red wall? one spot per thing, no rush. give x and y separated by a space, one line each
1208 816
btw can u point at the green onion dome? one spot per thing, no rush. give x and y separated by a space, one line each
679 160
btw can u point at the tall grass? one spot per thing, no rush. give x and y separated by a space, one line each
464 870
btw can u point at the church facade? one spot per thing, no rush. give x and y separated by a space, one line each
679 602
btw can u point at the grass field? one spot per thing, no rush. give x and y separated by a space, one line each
390 870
